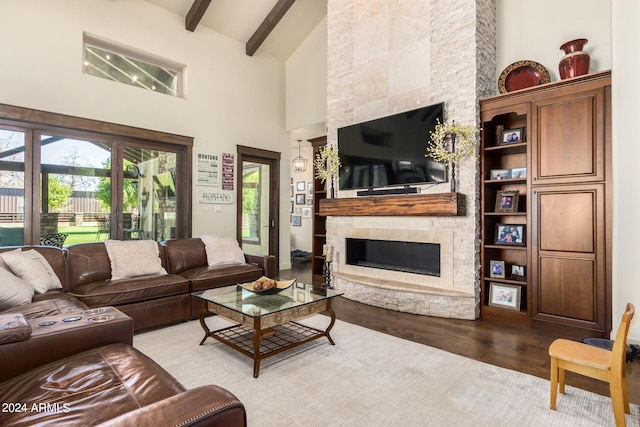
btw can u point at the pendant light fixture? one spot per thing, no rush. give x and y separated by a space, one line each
299 164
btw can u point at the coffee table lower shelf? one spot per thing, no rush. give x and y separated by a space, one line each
260 344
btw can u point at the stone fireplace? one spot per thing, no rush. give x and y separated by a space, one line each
386 57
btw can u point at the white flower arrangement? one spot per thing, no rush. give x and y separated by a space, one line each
438 147
327 163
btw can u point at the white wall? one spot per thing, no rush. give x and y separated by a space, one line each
535 30
306 83
231 98
626 156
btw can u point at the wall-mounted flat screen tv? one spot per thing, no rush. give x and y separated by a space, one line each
390 150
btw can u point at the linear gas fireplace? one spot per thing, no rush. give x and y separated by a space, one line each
408 257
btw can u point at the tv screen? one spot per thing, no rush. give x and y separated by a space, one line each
390 150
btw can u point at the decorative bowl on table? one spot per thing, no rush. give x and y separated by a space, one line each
266 286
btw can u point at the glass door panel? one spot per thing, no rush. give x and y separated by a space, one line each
255 207
12 154
149 197
75 201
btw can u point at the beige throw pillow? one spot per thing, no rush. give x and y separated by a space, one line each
33 268
134 258
13 290
222 250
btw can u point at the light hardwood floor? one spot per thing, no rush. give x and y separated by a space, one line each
520 349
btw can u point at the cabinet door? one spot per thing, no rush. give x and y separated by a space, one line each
568 250
569 138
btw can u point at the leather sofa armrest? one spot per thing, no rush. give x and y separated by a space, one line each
266 262
208 405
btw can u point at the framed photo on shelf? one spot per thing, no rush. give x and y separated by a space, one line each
296 220
507 201
509 234
512 136
300 186
505 296
518 173
300 199
500 174
518 273
496 269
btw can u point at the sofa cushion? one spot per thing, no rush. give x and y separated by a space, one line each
137 289
13 290
34 268
49 304
222 250
221 275
134 258
90 387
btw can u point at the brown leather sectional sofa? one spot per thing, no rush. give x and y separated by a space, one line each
151 301
88 373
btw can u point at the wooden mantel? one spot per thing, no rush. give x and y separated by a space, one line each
440 204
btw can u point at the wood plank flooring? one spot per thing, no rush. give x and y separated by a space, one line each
520 349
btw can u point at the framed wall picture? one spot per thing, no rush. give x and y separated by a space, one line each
518 173
509 234
300 186
306 212
518 272
512 136
291 192
291 206
300 199
309 202
505 296
500 174
309 188
496 269
507 201
296 220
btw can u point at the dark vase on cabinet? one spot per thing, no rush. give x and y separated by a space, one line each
564 204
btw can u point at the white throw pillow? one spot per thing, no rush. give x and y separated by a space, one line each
13 290
33 268
133 258
222 250
4 264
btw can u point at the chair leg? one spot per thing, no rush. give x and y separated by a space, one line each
563 378
625 395
617 401
554 383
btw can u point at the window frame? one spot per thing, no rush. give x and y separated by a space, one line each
37 122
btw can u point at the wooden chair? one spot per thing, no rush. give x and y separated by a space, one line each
594 362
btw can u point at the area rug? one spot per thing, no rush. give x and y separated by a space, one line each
370 379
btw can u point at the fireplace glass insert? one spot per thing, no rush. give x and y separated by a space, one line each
408 257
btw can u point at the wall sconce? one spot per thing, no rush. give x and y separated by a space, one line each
299 163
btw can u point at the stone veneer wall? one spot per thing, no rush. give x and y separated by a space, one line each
385 57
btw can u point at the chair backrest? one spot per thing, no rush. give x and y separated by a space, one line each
619 351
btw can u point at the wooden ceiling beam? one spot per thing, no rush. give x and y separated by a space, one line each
268 25
198 8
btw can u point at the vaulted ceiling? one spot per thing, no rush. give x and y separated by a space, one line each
275 27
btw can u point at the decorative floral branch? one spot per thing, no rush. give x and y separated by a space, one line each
439 149
327 163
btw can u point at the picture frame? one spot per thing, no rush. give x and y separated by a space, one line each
309 188
496 269
518 173
511 136
296 220
496 174
291 192
518 272
291 206
504 296
507 201
300 200
309 202
510 234
300 186
306 212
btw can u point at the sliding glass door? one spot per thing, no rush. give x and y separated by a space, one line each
12 185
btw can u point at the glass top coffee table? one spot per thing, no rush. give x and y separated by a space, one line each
267 324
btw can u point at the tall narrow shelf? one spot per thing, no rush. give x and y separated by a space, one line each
319 238
564 204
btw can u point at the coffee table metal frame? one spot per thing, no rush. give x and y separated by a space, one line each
261 330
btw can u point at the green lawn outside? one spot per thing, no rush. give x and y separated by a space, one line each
81 234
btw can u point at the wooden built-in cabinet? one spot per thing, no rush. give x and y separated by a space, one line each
319 238
564 204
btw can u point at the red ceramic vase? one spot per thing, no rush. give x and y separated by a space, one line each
575 62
